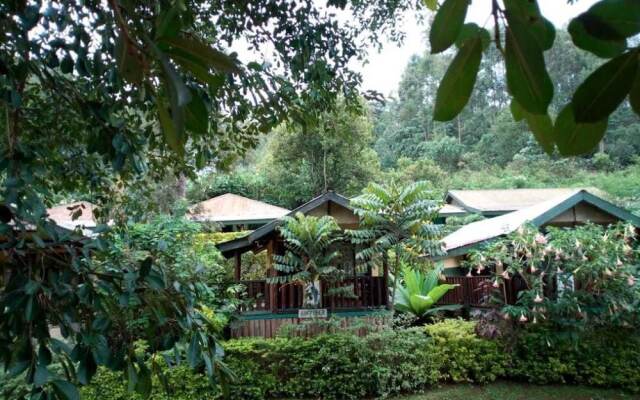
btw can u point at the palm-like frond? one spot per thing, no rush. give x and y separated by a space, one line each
418 292
308 241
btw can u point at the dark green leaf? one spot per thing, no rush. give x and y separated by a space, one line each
612 19
542 129
143 385
599 47
603 91
197 115
528 13
193 352
65 390
201 53
171 136
456 86
576 138
66 66
517 111
127 60
527 76
447 24
472 30
169 24
132 376
41 375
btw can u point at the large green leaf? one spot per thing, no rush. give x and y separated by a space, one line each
65 390
612 19
447 24
201 53
575 138
171 135
456 86
539 124
472 31
420 303
527 76
127 60
528 12
542 129
599 47
437 292
603 91
197 116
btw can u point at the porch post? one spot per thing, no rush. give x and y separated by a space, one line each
238 266
273 303
385 280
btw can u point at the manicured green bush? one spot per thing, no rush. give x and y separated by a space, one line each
345 366
464 356
608 358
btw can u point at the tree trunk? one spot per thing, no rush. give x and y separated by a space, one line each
395 269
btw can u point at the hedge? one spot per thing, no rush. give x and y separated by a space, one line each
344 366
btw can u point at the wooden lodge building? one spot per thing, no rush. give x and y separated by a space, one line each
503 212
275 305
507 210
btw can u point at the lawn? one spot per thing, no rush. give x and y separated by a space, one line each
515 391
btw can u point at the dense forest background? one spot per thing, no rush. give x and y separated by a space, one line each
398 140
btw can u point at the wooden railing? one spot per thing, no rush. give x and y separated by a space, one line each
368 292
472 291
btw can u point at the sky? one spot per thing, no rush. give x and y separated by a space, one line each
384 70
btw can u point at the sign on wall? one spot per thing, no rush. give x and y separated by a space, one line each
306 313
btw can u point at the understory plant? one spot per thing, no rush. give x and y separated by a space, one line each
418 292
396 221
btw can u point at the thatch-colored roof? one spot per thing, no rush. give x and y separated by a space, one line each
538 214
500 201
231 209
245 243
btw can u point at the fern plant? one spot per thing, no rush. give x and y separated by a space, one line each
310 255
418 292
399 220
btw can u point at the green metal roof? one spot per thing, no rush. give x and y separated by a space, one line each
471 235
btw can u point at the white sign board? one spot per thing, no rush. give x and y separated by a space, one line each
312 313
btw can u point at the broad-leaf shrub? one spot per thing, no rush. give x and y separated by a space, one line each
579 278
463 356
345 366
609 358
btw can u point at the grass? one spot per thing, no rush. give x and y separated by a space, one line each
518 391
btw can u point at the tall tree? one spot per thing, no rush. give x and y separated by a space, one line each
331 153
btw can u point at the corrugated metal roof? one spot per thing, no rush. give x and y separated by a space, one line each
231 208
537 214
450 210
506 200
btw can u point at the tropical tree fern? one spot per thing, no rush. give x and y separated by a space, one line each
399 219
418 292
309 255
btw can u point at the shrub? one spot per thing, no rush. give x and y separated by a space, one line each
345 366
464 356
599 358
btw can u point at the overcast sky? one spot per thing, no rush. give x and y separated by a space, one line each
384 70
